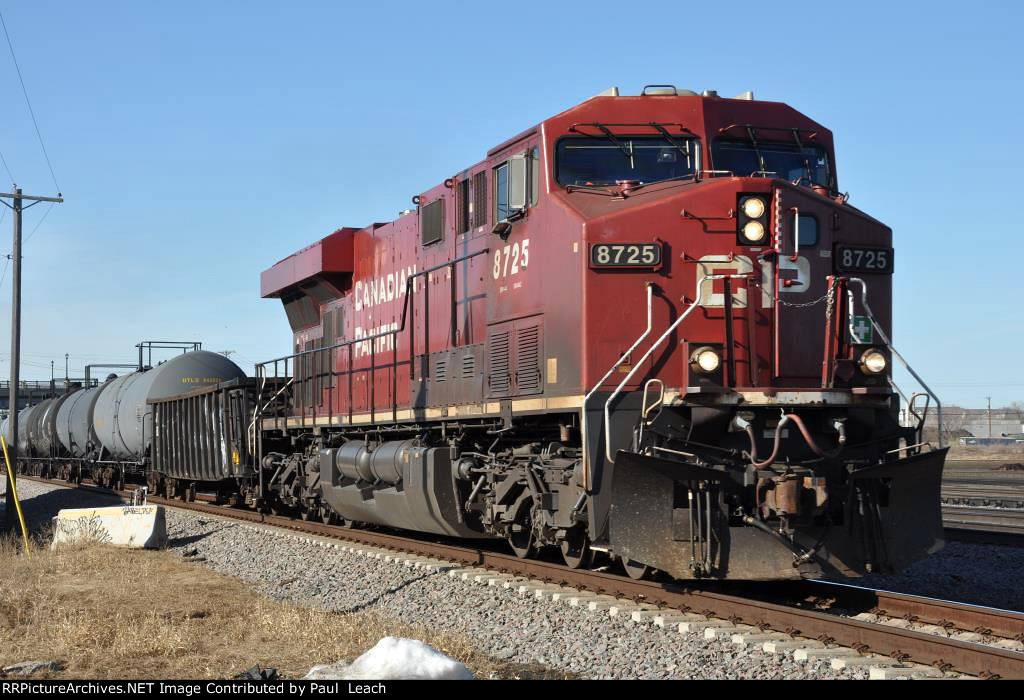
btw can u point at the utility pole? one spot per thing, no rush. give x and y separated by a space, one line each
16 207
989 415
67 380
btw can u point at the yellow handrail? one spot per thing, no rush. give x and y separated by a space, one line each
14 492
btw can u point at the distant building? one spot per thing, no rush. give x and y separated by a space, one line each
975 422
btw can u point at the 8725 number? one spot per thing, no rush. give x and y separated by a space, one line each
857 259
625 255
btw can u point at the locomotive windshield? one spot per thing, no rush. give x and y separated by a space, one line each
597 161
769 159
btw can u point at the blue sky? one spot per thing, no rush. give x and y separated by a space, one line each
199 142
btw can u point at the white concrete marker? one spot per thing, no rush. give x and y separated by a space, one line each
121 526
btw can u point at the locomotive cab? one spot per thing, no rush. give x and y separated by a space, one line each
745 425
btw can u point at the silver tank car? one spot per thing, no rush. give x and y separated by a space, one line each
29 431
23 417
74 421
47 442
122 418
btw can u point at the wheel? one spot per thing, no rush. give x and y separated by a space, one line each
521 539
327 516
576 552
634 569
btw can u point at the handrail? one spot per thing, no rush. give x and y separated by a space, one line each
654 346
895 352
618 363
261 367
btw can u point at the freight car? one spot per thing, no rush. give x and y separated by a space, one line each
105 432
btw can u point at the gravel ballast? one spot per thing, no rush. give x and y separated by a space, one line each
499 621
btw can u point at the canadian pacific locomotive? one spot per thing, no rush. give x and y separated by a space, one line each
650 327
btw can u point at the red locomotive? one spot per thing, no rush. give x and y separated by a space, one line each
649 326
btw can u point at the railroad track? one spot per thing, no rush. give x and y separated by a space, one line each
975 494
803 614
1008 521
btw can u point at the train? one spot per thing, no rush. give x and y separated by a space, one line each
649 330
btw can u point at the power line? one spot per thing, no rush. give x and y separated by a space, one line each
28 102
39 223
4 160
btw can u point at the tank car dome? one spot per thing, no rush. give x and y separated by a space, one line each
122 417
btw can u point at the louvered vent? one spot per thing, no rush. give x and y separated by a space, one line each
499 375
468 366
432 222
441 370
464 223
480 199
329 332
528 372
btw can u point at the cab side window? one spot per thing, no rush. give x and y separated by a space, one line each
516 185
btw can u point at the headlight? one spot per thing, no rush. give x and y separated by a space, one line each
753 231
705 360
753 207
873 361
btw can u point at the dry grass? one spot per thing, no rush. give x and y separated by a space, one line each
113 613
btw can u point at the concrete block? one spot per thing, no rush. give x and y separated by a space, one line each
646 614
727 632
698 626
626 608
563 595
122 526
673 618
498 579
602 604
782 646
746 639
548 593
814 653
885 673
895 622
581 599
862 661
968 636
470 574
533 588
1011 644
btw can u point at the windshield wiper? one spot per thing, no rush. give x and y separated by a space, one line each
614 139
685 150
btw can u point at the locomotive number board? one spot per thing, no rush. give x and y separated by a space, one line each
860 259
625 255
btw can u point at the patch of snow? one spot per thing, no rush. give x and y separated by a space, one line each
395 658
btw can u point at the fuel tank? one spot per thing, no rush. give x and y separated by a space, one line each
399 484
122 417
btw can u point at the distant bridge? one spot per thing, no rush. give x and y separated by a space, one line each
30 393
